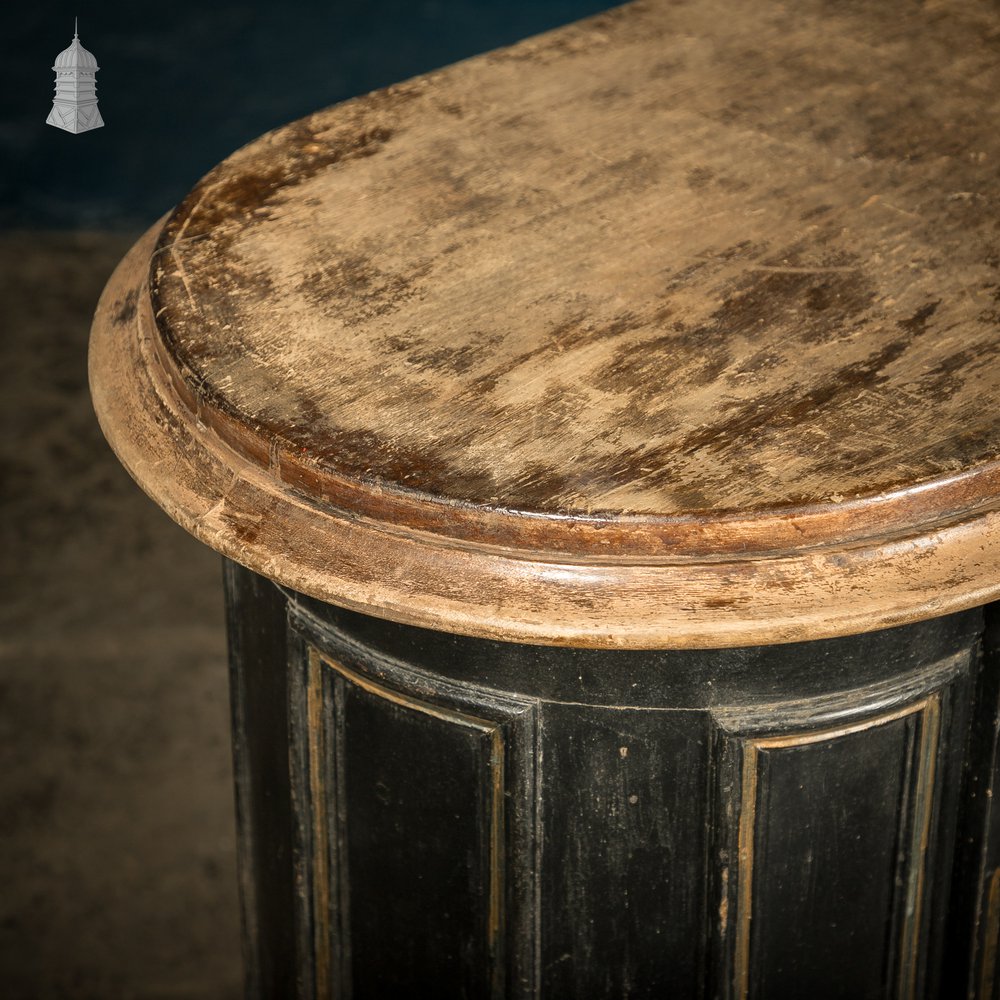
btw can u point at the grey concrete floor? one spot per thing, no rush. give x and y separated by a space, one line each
117 840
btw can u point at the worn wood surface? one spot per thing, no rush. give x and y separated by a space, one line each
678 326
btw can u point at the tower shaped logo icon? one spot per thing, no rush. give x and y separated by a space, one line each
75 106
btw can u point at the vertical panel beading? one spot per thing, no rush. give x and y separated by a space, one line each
991 938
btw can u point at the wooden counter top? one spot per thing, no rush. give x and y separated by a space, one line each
678 326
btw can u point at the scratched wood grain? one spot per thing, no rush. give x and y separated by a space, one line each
689 300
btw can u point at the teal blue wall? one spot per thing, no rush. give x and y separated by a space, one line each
183 83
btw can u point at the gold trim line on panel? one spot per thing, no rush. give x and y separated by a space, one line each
923 803
320 827
991 938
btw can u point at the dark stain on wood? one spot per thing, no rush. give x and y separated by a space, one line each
354 289
125 308
917 323
653 295
645 270
568 297
787 408
225 196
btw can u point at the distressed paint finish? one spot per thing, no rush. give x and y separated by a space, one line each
514 821
668 328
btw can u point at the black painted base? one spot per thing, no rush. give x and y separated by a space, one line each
428 814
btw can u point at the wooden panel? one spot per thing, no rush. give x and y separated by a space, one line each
624 823
835 845
258 651
409 840
872 794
